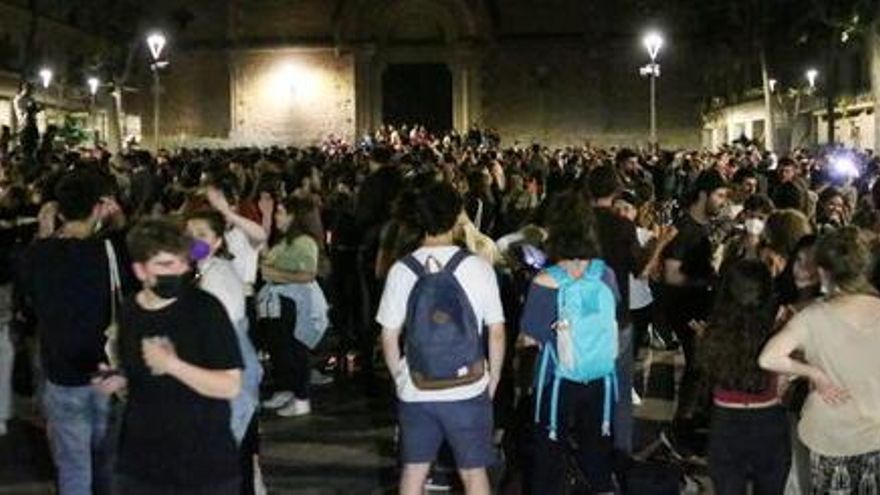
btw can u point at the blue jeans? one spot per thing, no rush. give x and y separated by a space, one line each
623 413
76 423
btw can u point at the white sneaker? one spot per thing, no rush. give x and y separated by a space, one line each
259 484
295 408
636 400
278 400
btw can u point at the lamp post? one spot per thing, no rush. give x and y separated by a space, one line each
156 43
46 77
93 83
812 75
653 42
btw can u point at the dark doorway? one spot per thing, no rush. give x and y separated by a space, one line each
418 94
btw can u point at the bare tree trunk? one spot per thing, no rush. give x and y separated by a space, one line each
117 113
831 86
874 51
770 127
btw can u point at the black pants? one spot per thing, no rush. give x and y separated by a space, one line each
289 357
250 446
580 444
749 444
682 305
126 485
370 292
345 294
641 320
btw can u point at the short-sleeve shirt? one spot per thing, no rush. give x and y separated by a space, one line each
172 436
480 284
299 255
693 248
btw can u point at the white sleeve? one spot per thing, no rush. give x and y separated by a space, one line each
392 307
490 296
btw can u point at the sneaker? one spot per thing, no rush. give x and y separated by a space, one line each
438 484
295 408
636 400
278 400
318 379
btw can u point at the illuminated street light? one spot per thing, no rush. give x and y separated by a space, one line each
93 83
46 76
156 43
653 42
812 75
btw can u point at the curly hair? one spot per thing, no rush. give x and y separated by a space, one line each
741 322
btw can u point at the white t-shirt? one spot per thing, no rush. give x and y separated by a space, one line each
219 279
639 289
245 256
480 284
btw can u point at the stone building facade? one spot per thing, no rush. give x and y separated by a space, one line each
295 71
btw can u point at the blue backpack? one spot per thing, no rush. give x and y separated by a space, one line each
443 344
586 339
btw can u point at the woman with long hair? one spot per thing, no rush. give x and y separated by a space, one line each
839 336
748 437
289 265
217 276
582 410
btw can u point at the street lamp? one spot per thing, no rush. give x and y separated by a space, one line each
46 77
653 42
93 83
156 43
812 75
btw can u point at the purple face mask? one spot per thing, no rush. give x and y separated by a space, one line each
199 250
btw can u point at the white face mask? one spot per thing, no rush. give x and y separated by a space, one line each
754 226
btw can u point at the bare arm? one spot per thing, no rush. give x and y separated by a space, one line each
672 273
391 350
497 339
255 232
161 358
776 357
216 384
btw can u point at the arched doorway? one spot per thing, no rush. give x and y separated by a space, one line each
418 94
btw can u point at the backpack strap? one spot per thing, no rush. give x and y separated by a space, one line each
559 275
456 260
413 264
596 269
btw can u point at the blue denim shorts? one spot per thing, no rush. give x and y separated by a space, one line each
465 425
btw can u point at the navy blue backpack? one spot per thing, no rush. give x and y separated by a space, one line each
443 344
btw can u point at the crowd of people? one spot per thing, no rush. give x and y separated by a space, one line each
156 303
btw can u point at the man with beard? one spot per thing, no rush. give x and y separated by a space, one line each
688 275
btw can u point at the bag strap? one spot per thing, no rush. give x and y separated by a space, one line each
115 282
453 263
596 269
413 264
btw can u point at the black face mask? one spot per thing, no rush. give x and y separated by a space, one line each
172 286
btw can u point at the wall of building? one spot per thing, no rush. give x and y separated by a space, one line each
291 96
551 72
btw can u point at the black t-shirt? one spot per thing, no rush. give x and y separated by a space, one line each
620 247
67 284
693 247
171 435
